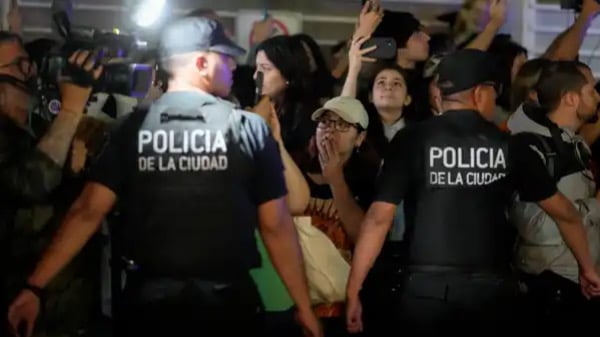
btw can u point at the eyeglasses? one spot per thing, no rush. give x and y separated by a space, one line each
337 124
24 65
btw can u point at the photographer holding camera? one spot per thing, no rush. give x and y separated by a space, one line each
31 168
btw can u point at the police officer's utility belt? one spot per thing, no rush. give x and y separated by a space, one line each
137 273
455 269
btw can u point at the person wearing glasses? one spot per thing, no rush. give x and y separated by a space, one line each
452 173
31 164
340 174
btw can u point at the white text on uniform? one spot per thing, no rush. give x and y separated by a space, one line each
182 142
467 158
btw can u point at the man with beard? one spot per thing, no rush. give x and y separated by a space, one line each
550 166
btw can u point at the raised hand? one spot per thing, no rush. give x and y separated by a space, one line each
356 55
370 17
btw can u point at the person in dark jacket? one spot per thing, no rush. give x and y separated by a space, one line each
31 165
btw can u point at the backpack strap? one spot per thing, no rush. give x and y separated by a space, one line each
550 156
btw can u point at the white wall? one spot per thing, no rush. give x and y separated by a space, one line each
546 20
327 20
534 25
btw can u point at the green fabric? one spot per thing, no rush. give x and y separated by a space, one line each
273 292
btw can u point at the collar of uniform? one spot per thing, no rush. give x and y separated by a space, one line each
471 114
191 99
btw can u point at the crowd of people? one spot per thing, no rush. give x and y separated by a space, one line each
447 191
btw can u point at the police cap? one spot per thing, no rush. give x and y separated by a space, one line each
190 34
465 69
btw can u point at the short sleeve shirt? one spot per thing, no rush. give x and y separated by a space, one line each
191 173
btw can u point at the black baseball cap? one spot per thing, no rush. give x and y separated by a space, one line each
464 69
190 34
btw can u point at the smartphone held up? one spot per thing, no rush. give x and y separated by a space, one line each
385 48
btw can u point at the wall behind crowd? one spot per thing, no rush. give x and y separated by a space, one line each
545 20
328 21
534 23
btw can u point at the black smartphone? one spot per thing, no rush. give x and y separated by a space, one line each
258 88
386 48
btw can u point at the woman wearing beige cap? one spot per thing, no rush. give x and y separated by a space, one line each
341 177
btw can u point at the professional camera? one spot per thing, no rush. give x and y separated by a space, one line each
116 52
573 4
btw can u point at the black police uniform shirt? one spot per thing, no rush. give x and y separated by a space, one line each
190 174
451 171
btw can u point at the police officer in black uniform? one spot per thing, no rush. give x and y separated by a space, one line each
195 177
451 171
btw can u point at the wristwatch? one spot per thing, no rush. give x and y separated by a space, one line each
37 291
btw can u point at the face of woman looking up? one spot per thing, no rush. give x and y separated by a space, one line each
390 91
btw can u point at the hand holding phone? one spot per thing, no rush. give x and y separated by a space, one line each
385 48
357 52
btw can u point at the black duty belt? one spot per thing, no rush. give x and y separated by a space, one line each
455 269
137 273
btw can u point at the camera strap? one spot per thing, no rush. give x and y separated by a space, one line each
22 85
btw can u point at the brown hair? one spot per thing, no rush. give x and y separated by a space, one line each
557 79
526 81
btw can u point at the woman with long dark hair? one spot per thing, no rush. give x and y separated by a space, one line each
320 74
285 66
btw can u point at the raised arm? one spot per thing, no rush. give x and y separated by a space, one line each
497 15
566 45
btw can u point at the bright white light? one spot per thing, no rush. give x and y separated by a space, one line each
148 12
